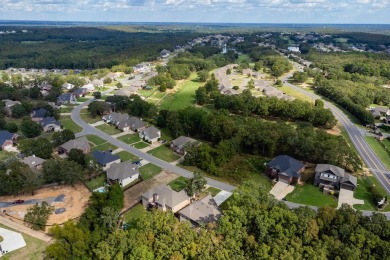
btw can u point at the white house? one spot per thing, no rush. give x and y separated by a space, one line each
67 86
150 134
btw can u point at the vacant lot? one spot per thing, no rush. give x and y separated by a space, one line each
68 123
164 153
149 171
178 184
311 195
125 156
130 139
108 129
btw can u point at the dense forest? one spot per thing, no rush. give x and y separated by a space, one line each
83 47
253 226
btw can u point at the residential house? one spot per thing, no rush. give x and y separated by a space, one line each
164 53
79 143
164 198
285 169
201 212
293 49
179 144
112 76
50 124
123 173
97 83
333 177
80 92
114 118
7 140
378 112
34 162
38 114
66 98
106 159
8 104
141 67
150 134
132 123
126 92
67 86
89 87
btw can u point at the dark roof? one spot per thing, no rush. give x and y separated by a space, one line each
328 168
39 113
66 97
5 136
349 178
80 91
49 120
121 171
286 165
104 158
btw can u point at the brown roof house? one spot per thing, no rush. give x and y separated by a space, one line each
201 212
180 144
123 173
333 177
285 169
79 143
164 198
150 134
34 162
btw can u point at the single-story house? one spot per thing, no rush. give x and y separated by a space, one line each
97 83
285 168
114 118
34 162
38 114
141 66
80 92
106 159
164 53
89 87
150 134
201 212
123 173
164 198
7 140
79 143
46 87
112 75
67 86
179 145
377 112
66 98
336 177
8 104
50 124
132 123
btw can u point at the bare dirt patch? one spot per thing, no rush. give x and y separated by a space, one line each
132 195
334 131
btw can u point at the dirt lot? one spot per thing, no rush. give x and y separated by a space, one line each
132 194
334 131
75 201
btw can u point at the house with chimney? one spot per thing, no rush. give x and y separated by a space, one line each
164 198
34 162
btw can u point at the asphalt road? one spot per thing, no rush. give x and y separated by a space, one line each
357 137
90 130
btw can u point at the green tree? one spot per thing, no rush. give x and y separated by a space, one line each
62 137
18 111
30 129
195 185
40 147
203 75
97 95
98 108
37 216
11 127
77 156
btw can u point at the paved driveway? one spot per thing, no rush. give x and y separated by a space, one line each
346 196
12 240
281 189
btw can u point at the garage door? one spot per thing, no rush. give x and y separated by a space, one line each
284 179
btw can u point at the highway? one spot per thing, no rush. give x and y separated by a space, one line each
357 137
90 130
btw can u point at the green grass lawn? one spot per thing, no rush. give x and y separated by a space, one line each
89 119
134 214
262 179
34 249
130 139
308 194
184 96
66 109
166 134
213 191
96 139
82 99
96 182
363 192
178 184
68 123
104 147
386 142
140 145
298 95
379 151
108 129
4 155
125 156
243 57
164 153
147 93
148 171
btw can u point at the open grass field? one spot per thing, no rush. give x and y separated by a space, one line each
178 184
140 145
148 171
184 96
134 214
130 139
379 151
96 139
96 182
164 153
89 119
125 156
108 129
34 249
68 123
104 147
291 92
309 194
243 57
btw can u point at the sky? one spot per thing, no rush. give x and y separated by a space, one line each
205 11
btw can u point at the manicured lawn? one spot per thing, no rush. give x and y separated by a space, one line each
108 129
130 139
96 182
184 96
178 184
213 191
82 99
104 147
134 214
148 171
363 192
386 142
66 109
33 250
68 123
140 145
166 134
164 153
125 156
379 151
309 194
89 119
96 139
262 179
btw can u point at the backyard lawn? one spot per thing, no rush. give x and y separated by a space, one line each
379 151
164 153
96 139
140 145
309 194
68 123
148 171
96 182
108 129
134 214
178 184
125 156
104 147
129 139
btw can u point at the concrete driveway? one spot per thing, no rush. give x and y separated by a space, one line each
281 189
12 240
346 196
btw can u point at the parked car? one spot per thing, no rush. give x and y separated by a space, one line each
18 202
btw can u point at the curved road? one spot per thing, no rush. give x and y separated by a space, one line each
88 129
357 137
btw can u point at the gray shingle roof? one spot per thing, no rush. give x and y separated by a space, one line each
339 172
104 158
121 171
202 211
49 120
152 132
33 161
349 178
133 122
182 141
38 113
80 143
166 196
287 165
